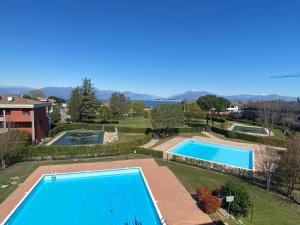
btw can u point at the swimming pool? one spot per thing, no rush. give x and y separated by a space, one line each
231 156
250 130
80 138
108 197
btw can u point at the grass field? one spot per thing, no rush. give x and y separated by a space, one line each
269 208
135 122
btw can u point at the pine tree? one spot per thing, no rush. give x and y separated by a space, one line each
298 99
55 115
88 100
74 105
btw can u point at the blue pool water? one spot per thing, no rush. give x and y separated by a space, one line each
232 156
111 197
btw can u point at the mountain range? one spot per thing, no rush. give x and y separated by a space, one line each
65 92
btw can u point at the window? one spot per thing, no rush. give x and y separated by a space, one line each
8 112
1 112
26 112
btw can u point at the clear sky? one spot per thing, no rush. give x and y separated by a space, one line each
158 47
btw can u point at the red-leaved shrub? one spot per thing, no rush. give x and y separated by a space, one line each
210 204
202 192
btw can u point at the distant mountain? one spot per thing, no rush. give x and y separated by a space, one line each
65 92
190 95
15 90
264 97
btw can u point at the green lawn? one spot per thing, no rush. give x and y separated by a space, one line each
135 122
269 208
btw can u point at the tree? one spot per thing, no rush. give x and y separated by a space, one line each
37 93
27 96
10 140
74 105
57 99
268 114
55 114
89 103
288 166
104 113
267 163
192 111
287 121
167 116
119 105
137 108
212 104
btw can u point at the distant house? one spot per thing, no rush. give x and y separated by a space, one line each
24 114
233 108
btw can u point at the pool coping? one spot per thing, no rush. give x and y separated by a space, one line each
154 202
191 139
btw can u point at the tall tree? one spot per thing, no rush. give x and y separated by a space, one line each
212 104
37 93
268 112
167 116
55 114
192 111
288 166
137 108
287 121
10 140
119 105
104 113
267 159
88 100
74 105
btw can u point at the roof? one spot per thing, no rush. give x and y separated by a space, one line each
19 102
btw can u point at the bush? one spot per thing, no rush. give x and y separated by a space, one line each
241 204
203 192
210 204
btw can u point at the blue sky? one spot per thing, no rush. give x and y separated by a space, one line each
159 47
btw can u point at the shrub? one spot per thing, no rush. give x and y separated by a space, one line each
210 204
203 192
241 204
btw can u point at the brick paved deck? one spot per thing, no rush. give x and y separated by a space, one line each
174 202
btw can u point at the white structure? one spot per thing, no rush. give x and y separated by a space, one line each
233 108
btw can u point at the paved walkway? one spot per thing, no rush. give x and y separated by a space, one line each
174 202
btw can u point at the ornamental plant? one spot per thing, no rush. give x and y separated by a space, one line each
203 192
210 204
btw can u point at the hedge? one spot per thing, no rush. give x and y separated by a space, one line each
43 152
110 128
248 137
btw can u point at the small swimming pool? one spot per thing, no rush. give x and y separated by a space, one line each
80 138
231 156
249 129
108 197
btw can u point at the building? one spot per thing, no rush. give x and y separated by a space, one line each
24 114
233 108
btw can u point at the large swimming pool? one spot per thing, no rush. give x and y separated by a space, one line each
108 197
231 156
